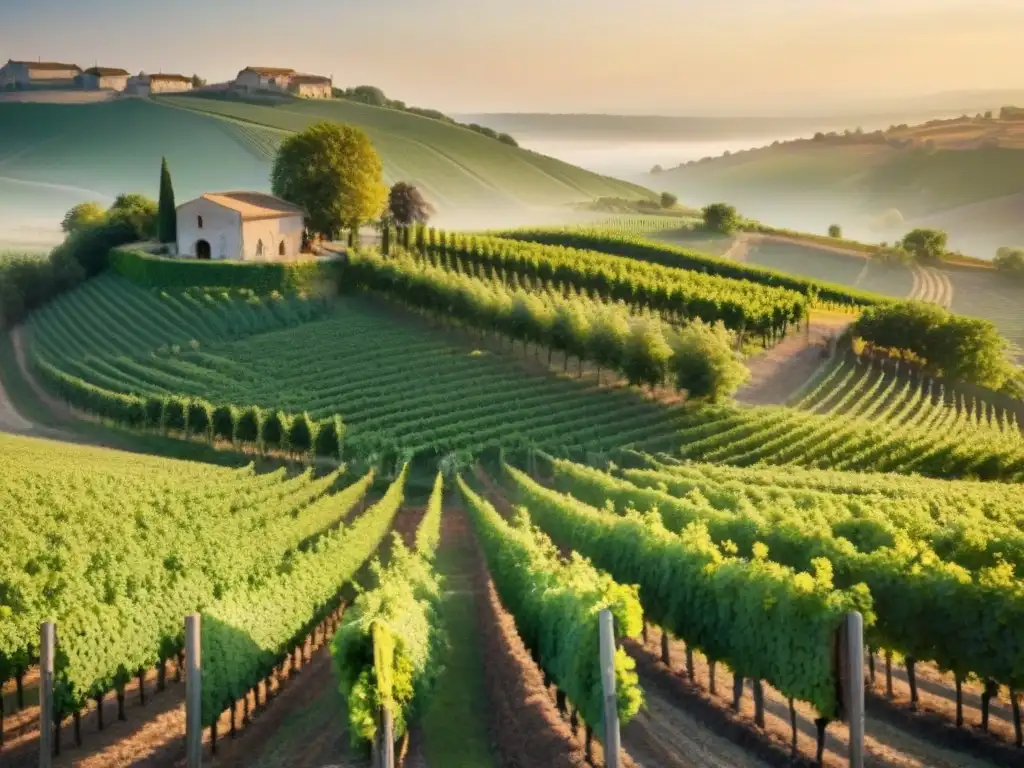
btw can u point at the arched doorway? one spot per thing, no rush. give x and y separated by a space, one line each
202 250
281 250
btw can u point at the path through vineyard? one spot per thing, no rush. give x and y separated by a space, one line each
777 373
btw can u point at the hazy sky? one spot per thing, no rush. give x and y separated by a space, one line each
654 56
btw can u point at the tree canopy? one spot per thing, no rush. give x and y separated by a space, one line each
721 217
333 172
1010 260
704 363
407 206
668 200
925 244
835 230
83 216
137 212
959 347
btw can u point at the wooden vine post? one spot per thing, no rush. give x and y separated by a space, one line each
612 737
384 664
851 683
47 647
193 694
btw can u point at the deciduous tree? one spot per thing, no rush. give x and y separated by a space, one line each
407 206
721 217
925 244
333 172
137 212
83 216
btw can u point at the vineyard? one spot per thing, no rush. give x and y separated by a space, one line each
520 401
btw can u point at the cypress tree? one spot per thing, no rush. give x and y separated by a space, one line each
167 219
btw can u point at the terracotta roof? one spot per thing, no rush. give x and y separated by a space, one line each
106 72
310 79
170 77
255 205
268 71
48 65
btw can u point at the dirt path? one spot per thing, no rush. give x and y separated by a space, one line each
777 373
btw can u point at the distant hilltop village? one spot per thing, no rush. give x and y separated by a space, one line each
51 75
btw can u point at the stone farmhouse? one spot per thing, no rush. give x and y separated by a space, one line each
144 85
283 80
36 74
247 226
104 79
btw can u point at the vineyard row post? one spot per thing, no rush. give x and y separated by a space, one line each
193 693
612 737
852 683
47 645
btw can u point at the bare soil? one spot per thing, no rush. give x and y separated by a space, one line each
777 373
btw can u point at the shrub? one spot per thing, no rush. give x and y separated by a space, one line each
249 425
175 412
721 217
925 244
704 363
329 437
1010 260
301 434
835 231
199 417
668 200
154 411
223 421
274 432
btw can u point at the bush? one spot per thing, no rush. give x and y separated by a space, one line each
704 363
249 425
329 437
175 414
1010 260
668 200
721 217
199 417
301 434
154 411
274 432
835 231
223 422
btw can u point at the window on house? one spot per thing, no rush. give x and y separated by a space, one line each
200 221
280 249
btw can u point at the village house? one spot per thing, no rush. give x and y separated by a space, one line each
311 86
264 78
144 85
104 79
36 74
248 226
253 79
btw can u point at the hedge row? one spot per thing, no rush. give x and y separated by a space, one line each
250 425
262 277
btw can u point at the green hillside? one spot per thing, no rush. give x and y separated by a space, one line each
808 184
73 152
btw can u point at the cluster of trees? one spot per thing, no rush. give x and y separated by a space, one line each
91 231
1010 260
374 96
334 172
698 357
962 348
265 429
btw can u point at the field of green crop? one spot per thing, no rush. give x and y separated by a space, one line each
395 382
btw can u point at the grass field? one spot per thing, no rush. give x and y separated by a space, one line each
55 155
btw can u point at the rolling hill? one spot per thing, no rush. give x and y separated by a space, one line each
53 155
960 174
